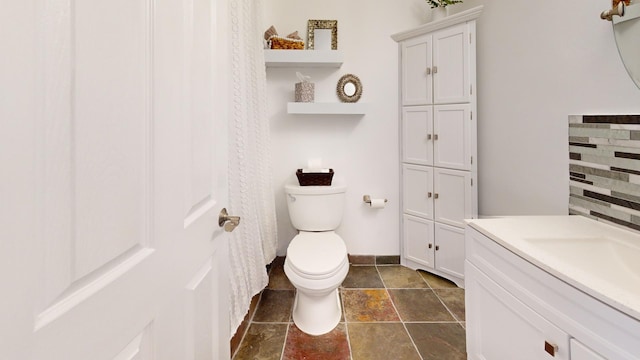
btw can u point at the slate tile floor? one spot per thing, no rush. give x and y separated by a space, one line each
389 312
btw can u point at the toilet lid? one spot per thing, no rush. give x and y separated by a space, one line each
316 253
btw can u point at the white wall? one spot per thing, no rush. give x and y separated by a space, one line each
538 62
536 65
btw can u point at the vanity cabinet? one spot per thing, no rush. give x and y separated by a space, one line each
581 352
517 310
506 328
438 142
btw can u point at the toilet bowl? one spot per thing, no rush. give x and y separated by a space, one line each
316 261
316 264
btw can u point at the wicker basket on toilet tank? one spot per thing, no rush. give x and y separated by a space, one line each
314 178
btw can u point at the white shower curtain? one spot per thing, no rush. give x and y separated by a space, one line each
253 243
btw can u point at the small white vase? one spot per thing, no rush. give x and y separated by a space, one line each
439 13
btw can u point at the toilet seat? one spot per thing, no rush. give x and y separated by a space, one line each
317 255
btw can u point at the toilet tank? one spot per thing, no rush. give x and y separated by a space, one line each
315 208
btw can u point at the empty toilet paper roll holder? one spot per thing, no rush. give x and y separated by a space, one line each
367 199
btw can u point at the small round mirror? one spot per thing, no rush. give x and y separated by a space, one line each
349 88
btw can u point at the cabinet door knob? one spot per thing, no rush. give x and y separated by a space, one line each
550 348
435 196
429 195
430 246
428 136
428 71
435 69
435 137
437 247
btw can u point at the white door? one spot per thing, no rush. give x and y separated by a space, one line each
452 195
418 240
417 135
417 190
451 80
449 249
113 174
452 136
581 352
416 71
506 328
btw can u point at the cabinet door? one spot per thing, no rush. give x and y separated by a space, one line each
449 257
452 196
452 136
418 240
417 190
451 82
417 80
581 352
417 135
499 326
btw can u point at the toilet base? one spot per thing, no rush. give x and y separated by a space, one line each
317 315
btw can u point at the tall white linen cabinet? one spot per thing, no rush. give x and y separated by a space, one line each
438 147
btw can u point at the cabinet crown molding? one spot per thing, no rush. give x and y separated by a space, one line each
457 18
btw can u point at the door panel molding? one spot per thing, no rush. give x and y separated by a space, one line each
91 133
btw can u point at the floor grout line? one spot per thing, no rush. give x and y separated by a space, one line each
341 289
399 317
284 343
346 325
446 307
404 325
249 322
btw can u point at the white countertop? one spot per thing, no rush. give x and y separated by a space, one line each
599 259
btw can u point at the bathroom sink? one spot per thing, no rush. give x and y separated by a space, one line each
597 258
606 258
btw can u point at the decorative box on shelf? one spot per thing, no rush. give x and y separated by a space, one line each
304 92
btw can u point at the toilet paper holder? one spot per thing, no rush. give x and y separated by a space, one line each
367 199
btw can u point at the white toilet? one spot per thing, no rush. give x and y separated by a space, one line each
316 262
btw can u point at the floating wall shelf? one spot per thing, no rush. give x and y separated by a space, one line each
303 58
326 108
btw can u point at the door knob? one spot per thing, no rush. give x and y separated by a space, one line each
229 222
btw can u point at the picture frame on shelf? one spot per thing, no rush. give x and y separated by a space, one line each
329 29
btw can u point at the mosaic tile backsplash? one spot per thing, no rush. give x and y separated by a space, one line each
604 168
